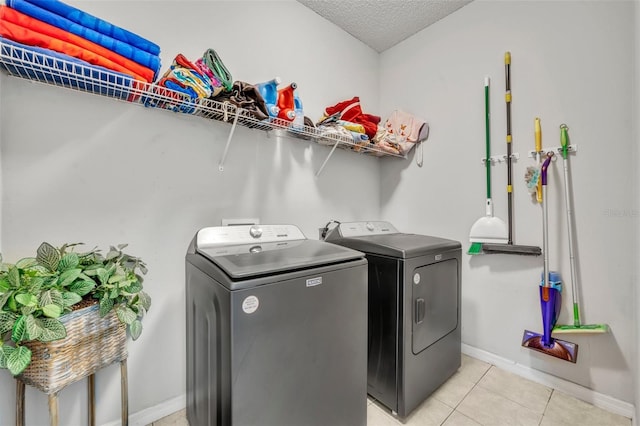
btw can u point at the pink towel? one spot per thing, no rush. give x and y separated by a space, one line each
405 130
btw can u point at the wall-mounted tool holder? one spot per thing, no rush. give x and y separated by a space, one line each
501 158
571 149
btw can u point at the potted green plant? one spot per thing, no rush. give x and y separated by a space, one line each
40 295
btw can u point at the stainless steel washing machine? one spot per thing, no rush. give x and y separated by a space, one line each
414 311
276 329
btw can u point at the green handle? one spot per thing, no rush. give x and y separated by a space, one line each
576 315
564 138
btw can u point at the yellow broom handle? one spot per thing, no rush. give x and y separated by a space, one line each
538 135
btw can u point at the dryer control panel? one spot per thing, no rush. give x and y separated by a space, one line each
359 229
247 234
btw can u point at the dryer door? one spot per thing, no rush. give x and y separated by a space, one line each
435 303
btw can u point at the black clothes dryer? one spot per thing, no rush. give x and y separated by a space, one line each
414 311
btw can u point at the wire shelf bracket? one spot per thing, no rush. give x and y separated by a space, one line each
226 148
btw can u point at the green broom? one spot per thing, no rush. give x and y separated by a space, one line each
487 229
577 327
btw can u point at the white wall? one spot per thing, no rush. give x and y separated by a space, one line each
77 167
572 62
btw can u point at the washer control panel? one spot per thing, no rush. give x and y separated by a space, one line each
247 234
359 229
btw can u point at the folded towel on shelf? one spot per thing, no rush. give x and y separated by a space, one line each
103 27
360 140
382 144
178 86
23 29
404 130
354 127
171 95
56 68
128 51
350 110
211 59
185 74
216 85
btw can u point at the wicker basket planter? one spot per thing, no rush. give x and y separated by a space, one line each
92 343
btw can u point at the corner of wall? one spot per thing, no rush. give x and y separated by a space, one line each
636 204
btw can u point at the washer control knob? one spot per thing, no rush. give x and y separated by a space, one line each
255 231
370 226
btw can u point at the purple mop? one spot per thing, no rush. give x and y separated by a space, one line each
550 298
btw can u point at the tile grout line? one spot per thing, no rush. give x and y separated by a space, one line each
546 406
465 395
520 404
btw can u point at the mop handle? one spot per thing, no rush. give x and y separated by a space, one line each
538 136
507 98
564 138
545 221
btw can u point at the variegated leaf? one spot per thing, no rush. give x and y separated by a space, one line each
3 299
56 297
45 298
18 360
28 310
135 329
125 314
33 328
36 285
52 329
69 261
82 287
144 300
48 256
27 262
19 332
52 311
13 276
5 351
6 321
70 298
69 276
105 305
27 299
103 275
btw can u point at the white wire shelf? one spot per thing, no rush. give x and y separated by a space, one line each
50 68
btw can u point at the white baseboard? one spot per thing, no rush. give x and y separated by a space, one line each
597 399
155 413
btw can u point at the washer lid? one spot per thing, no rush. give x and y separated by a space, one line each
399 245
251 260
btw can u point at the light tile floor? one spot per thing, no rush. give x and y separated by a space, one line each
480 394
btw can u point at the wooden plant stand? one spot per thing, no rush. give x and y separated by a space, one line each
92 343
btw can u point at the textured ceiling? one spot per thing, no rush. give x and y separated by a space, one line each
382 24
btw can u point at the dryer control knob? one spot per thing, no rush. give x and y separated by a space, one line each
370 226
255 231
